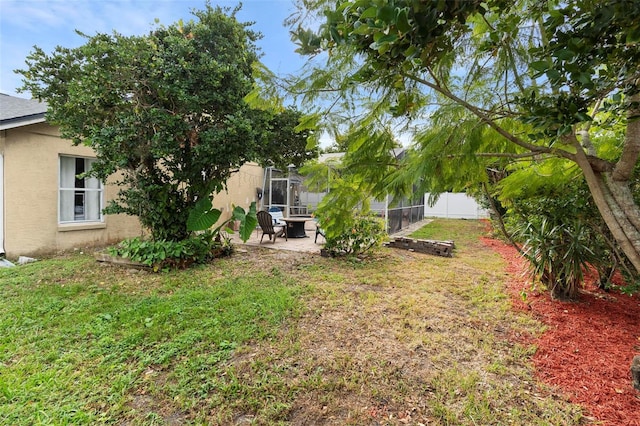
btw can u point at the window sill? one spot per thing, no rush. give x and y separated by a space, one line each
81 226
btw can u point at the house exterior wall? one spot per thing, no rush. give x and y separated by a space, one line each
31 173
2 192
31 177
241 190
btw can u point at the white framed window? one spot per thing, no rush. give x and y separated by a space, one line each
80 199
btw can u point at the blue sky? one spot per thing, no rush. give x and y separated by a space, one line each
49 23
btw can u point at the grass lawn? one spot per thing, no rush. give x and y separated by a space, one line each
267 337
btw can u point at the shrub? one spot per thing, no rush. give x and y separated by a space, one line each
203 244
362 234
163 254
563 235
558 254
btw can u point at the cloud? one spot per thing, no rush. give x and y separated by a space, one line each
30 16
51 23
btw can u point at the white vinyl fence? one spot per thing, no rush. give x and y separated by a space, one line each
455 206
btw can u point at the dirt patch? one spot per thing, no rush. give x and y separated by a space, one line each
588 346
154 406
154 410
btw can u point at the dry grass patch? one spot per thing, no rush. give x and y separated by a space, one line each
405 338
267 337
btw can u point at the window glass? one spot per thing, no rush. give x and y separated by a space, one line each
279 192
80 198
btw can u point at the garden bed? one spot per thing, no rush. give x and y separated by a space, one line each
589 344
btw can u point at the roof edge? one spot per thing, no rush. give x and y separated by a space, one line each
12 123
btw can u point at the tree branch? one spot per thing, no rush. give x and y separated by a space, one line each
499 218
490 122
507 155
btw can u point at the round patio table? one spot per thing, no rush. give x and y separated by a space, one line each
295 226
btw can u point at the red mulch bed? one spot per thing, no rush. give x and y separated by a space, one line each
588 346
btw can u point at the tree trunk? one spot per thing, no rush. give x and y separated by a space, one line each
612 193
499 219
635 372
617 207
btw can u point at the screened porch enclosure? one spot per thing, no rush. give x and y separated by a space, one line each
283 191
287 193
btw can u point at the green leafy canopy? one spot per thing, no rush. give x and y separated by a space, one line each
484 85
166 111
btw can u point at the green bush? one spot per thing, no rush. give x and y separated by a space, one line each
559 254
563 236
362 234
163 254
203 244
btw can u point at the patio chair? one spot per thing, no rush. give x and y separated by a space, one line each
319 231
265 220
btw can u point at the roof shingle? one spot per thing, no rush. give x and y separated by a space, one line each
16 112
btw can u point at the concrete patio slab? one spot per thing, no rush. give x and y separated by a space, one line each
305 245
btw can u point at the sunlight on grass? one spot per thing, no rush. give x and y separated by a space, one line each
462 232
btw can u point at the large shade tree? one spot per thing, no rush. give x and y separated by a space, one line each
507 80
167 110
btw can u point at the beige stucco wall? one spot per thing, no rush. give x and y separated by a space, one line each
31 173
31 170
241 190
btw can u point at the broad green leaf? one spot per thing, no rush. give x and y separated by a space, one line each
402 22
565 54
553 74
335 35
386 14
583 116
202 216
369 13
539 65
411 51
248 220
584 78
362 30
201 207
383 48
384 39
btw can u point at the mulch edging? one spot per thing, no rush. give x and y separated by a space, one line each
588 346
